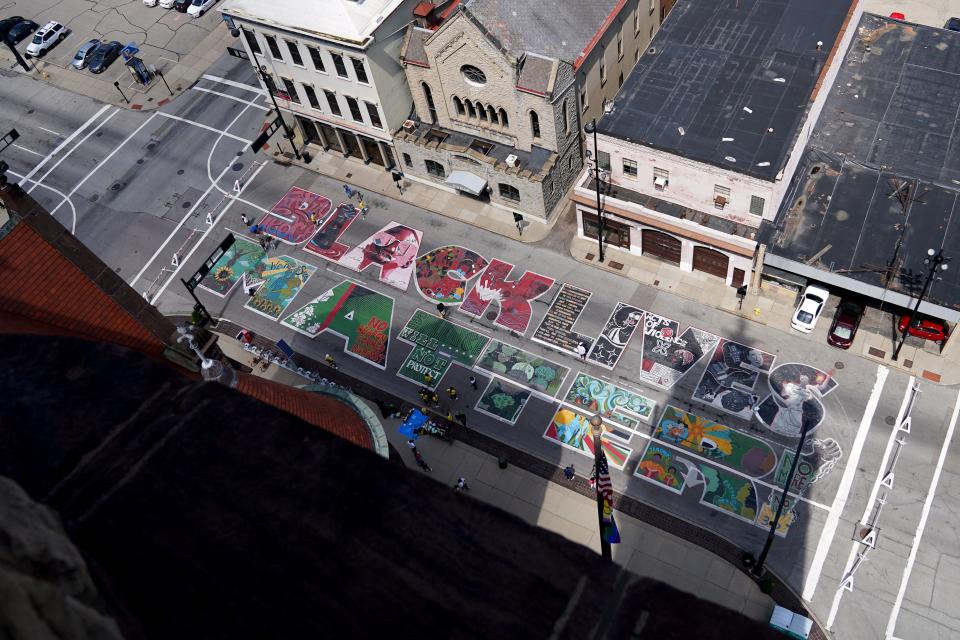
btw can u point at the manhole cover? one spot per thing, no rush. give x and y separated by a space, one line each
239 153
151 145
237 166
116 186
99 133
838 365
179 172
140 161
186 204
94 197
890 420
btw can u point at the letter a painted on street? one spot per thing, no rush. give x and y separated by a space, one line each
513 296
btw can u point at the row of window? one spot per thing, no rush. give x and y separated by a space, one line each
333 102
584 102
485 114
316 56
506 191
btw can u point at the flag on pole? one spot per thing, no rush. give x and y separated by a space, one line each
601 482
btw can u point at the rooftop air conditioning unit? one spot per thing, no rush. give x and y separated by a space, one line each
660 183
513 160
409 126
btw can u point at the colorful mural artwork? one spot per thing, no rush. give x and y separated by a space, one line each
512 296
289 219
443 274
667 355
572 429
556 328
241 258
615 335
392 251
524 367
360 315
283 278
437 344
503 401
613 402
325 242
794 400
728 381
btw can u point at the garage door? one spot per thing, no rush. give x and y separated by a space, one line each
710 261
660 245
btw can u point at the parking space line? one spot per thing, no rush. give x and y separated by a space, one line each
36 153
75 147
203 126
49 131
229 97
924 514
63 144
233 83
843 490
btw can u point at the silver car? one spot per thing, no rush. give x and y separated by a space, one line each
84 53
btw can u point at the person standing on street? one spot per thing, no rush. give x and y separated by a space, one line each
244 219
461 484
413 446
452 392
473 383
442 309
420 461
428 379
330 361
582 351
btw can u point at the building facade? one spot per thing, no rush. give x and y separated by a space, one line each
499 105
335 68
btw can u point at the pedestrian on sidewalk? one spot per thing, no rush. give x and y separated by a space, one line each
569 472
473 383
461 484
420 461
582 351
452 392
461 418
244 219
347 191
442 309
330 361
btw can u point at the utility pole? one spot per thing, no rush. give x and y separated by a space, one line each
271 89
937 262
591 127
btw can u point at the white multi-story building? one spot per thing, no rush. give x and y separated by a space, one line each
335 65
704 136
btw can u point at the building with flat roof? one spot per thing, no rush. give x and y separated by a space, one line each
879 181
698 146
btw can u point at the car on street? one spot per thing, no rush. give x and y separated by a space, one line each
104 55
21 30
166 4
199 7
82 57
8 23
810 308
181 5
953 24
846 321
150 3
924 327
46 38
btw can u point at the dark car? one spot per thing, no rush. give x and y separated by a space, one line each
845 324
104 55
21 30
9 23
953 24
181 5
923 327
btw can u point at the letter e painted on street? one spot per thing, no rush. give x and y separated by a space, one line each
513 296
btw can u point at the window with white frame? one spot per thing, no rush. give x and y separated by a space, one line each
509 192
636 19
294 50
317 59
583 94
630 168
354 108
721 196
756 205
661 178
603 160
274 47
291 90
311 96
333 103
603 66
435 168
252 42
374 114
360 70
619 43
339 65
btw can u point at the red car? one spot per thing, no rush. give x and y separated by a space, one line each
845 324
926 328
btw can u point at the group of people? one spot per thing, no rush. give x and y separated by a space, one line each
361 204
461 483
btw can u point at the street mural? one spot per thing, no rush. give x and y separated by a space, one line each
556 328
524 367
325 242
289 219
728 381
437 344
513 297
616 333
794 400
572 430
241 258
612 401
443 274
282 279
392 250
503 401
361 316
669 355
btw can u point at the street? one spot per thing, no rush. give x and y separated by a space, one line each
154 194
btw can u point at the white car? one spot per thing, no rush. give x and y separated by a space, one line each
150 3
810 308
46 38
166 4
198 7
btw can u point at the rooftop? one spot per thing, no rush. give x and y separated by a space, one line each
729 83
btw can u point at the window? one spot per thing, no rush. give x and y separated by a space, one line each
620 44
471 111
407 160
295 56
636 19
482 112
651 32
338 64
374 114
570 163
291 90
317 59
493 115
509 192
721 196
636 55
431 108
603 66
435 168
756 205
252 42
566 120
333 103
354 107
503 119
274 49
661 178
620 80
473 75
311 96
583 95
458 105
615 233
535 124
653 5
360 70
629 168
309 131
603 159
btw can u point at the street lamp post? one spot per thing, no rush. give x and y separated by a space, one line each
591 127
937 262
268 82
117 85
596 428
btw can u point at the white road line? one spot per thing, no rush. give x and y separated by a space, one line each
229 97
36 153
233 83
56 133
64 197
67 141
843 491
75 147
203 126
856 547
934 481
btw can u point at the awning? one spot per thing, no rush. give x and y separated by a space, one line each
466 181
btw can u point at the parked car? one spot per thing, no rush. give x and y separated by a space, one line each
181 5
45 39
953 24
150 3
166 4
9 23
199 7
810 308
845 324
896 15
82 57
21 30
924 327
104 55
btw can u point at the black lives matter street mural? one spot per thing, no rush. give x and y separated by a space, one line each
616 334
728 381
794 400
668 356
556 328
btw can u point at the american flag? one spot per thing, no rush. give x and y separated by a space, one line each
603 477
